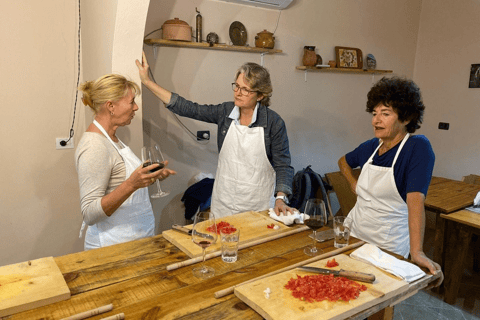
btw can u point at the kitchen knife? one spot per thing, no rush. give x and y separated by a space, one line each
189 231
182 229
352 275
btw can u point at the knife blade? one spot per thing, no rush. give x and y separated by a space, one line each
189 231
352 275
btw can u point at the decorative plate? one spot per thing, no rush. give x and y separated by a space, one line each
238 33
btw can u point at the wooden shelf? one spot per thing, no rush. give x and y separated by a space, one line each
343 70
205 45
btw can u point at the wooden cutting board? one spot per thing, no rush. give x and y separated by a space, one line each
282 305
252 225
31 284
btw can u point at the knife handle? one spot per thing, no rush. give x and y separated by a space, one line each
181 229
359 276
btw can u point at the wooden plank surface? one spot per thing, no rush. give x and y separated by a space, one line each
466 217
206 45
282 305
31 284
252 225
446 196
133 277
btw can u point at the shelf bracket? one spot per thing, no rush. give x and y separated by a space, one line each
262 60
155 52
306 75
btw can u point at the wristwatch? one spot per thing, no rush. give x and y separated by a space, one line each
284 198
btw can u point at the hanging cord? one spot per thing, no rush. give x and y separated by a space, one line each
278 19
194 137
72 132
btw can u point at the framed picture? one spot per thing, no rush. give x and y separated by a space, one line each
474 76
349 57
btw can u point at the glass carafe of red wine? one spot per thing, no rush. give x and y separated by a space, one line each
151 155
204 234
315 209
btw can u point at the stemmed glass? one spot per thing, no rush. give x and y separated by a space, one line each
204 234
151 155
315 208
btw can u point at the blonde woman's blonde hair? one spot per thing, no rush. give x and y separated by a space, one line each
110 87
258 78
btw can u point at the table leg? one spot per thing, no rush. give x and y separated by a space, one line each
454 275
385 314
439 254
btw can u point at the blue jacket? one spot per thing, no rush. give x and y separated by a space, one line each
276 139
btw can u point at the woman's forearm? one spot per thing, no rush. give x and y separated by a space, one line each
161 93
416 221
347 172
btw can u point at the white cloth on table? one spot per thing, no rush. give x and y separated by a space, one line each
289 219
476 204
373 255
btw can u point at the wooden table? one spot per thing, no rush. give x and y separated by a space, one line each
459 229
444 197
133 277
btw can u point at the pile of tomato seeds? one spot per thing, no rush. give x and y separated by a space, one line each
227 228
324 287
270 226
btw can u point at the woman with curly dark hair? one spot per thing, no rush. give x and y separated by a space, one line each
396 172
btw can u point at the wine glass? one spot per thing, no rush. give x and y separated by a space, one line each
204 234
151 155
315 208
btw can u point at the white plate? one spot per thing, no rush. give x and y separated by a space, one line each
322 66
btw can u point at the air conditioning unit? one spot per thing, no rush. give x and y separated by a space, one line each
270 4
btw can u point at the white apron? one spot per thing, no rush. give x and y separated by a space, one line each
380 215
132 220
245 179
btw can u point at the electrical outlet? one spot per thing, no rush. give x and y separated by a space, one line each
203 135
443 125
69 145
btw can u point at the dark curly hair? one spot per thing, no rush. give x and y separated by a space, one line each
403 96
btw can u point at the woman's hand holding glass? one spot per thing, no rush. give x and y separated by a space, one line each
153 160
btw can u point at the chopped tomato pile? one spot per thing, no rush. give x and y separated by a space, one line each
324 287
332 263
223 225
270 226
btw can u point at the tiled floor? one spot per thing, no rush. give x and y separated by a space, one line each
427 305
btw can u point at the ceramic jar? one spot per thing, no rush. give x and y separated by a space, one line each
265 40
309 56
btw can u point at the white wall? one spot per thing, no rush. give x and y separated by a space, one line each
325 116
448 45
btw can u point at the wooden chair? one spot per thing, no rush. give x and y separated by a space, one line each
472 179
346 197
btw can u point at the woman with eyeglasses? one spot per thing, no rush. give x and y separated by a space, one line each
254 171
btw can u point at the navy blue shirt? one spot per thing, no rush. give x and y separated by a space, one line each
413 169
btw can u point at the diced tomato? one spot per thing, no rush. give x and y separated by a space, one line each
324 287
332 263
223 225
270 226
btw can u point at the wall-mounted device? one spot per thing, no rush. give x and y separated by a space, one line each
270 4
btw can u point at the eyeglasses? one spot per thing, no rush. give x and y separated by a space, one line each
243 90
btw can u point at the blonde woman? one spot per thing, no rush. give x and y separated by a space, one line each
113 194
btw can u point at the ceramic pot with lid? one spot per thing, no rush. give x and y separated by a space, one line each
265 39
176 29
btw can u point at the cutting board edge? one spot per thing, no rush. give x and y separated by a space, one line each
255 307
35 304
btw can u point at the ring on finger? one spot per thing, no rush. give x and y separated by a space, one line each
153 180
